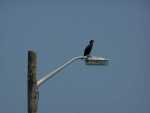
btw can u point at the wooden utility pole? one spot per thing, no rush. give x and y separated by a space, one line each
32 83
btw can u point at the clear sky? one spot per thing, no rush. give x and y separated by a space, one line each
59 30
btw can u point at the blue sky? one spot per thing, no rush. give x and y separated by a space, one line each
58 31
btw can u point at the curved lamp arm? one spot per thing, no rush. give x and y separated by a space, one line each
53 73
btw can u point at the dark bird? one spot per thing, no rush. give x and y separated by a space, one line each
88 48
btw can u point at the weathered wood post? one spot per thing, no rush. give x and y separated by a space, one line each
32 91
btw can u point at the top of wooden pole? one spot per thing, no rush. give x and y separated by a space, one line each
32 83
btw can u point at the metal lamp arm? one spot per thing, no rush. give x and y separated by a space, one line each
53 73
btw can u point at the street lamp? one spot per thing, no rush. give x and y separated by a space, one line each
33 84
91 60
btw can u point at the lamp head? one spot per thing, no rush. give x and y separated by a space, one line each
93 60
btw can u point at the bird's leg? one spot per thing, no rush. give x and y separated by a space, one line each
89 55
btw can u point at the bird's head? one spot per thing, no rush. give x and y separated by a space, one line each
91 41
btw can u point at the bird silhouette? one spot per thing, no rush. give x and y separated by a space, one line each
88 48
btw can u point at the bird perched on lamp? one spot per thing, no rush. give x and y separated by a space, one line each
88 48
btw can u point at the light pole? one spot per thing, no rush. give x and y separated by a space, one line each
34 84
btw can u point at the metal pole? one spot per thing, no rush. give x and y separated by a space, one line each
32 91
53 73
